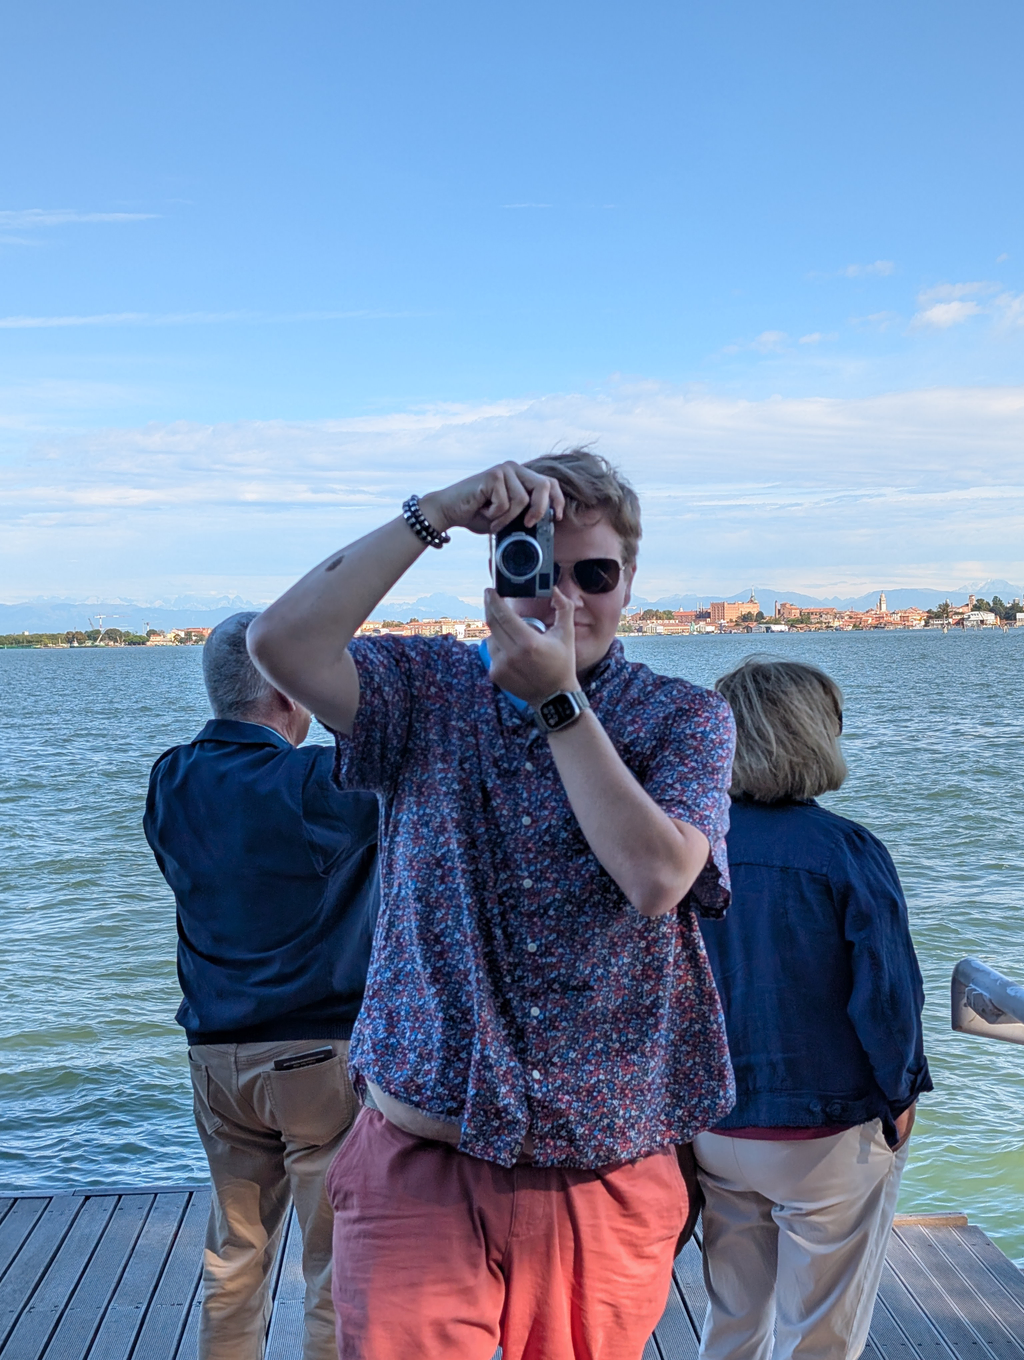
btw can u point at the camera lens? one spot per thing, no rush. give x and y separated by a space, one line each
519 557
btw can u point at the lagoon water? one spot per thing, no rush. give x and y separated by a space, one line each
93 1079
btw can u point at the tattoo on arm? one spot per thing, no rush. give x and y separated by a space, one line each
336 563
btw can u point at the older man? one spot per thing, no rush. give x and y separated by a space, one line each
274 872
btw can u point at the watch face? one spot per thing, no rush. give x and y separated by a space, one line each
558 710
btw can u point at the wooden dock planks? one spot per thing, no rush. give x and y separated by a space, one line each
176 1289
115 1275
73 1332
120 1324
285 1339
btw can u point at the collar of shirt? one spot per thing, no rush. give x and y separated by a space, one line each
242 733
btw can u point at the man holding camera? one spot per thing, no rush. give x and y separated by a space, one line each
540 1026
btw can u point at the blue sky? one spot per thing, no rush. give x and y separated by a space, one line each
266 268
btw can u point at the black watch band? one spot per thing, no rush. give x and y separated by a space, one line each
560 710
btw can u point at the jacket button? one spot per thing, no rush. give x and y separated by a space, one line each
834 1109
815 1107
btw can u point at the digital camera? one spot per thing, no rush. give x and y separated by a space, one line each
523 560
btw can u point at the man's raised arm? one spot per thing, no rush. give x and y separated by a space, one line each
300 642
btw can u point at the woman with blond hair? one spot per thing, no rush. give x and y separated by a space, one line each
822 996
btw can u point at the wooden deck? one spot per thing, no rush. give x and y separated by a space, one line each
114 1275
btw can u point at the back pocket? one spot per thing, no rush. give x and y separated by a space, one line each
312 1105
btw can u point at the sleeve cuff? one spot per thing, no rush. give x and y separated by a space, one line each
711 894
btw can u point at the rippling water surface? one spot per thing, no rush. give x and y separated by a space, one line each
93 1079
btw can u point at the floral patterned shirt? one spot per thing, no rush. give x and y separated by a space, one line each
512 986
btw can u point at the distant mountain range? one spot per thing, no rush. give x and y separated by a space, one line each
51 615
187 611
59 616
436 606
439 605
901 598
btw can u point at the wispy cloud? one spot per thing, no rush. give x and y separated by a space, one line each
856 487
879 268
817 337
953 292
879 321
30 323
24 219
1009 309
768 342
942 315
951 304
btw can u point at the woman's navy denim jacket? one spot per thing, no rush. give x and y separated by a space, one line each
817 973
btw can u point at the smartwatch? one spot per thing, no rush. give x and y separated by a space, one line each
560 710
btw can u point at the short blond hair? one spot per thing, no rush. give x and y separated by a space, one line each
591 483
789 717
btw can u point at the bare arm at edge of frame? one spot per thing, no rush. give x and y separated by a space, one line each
300 642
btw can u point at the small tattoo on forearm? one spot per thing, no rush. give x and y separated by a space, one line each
336 563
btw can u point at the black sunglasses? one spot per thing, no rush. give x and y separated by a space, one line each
594 575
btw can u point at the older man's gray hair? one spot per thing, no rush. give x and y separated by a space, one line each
233 683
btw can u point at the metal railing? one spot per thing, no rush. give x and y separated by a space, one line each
986 1003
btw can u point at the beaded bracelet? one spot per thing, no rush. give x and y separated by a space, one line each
421 526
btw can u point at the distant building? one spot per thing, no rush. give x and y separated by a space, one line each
436 628
882 607
724 611
911 617
465 630
177 637
785 610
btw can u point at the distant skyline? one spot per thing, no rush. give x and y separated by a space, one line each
264 271
54 615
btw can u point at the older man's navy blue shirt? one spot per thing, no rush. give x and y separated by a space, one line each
274 872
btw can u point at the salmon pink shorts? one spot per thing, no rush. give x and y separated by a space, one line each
442 1256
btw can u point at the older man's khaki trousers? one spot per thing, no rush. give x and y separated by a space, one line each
269 1138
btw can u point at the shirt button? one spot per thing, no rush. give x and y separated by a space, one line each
535 1011
529 766
527 819
531 948
527 882
535 1074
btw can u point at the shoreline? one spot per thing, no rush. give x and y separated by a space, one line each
799 630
